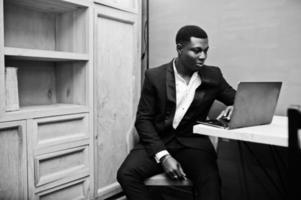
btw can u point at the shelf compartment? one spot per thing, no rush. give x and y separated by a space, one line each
43 55
48 25
47 83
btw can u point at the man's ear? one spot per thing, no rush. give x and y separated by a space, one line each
179 48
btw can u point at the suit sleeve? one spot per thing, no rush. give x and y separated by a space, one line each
145 119
226 92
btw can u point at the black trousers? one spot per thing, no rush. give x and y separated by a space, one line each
199 166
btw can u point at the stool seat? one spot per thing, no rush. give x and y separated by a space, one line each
163 180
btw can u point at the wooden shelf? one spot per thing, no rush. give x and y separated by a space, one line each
43 111
43 55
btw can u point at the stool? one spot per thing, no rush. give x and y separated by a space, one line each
163 180
161 184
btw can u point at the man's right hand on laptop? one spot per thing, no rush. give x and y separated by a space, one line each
226 113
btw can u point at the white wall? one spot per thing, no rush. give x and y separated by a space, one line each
258 40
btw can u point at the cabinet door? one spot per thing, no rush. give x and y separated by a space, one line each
116 70
13 176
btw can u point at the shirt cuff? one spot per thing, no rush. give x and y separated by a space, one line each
160 154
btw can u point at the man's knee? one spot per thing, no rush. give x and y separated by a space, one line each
124 175
121 175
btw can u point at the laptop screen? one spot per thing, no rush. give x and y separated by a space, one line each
254 103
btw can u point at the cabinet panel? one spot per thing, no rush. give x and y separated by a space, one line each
73 191
13 176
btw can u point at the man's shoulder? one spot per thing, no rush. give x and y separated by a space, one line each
158 71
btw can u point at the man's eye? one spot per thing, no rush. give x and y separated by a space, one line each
200 50
197 50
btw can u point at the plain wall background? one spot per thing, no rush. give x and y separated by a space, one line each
258 40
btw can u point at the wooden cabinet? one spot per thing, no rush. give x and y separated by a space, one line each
65 116
46 136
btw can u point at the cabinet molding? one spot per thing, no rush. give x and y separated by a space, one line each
130 6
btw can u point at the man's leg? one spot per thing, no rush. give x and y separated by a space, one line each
201 168
134 170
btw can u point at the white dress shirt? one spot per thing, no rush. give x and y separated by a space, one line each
184 97
184 94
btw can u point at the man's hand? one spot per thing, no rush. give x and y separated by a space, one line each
226 113
173 168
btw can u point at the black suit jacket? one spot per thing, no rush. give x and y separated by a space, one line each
157 107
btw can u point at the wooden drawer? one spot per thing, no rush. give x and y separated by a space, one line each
72 191
61 165
59 130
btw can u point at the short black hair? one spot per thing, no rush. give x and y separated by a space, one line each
186 32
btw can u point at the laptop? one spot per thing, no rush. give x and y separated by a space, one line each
254 104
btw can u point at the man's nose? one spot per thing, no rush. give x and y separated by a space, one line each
202 55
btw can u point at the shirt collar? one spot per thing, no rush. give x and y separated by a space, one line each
178 76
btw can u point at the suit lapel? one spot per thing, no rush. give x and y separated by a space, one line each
170 84
170 94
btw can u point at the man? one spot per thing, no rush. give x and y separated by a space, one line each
174 96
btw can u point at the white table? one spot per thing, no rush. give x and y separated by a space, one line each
275 133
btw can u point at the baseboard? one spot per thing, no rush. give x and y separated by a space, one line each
108 191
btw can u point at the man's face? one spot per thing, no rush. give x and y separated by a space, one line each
193 54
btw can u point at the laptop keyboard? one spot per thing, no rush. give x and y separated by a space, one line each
218 122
